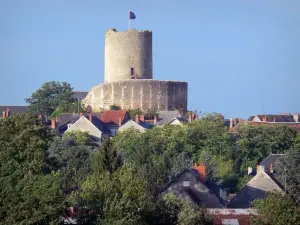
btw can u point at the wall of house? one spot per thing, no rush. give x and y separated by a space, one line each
176 122
85 125
128 55
142 94
256 119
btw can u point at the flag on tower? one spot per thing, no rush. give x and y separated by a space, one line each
131 15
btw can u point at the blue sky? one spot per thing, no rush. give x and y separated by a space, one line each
236 54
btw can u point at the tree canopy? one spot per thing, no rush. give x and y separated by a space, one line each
50 96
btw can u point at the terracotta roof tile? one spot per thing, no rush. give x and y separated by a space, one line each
111 117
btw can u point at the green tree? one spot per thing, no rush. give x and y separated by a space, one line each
80 137
29 192
51 95
257 142
276 209
288 169
114 107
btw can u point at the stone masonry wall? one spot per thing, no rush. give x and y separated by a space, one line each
128 55
142 94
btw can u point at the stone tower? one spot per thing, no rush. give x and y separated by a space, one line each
128 55
128 78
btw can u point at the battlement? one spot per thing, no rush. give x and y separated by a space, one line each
114 30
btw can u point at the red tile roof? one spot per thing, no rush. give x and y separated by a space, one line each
112 117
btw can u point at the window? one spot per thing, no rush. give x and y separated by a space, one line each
132 72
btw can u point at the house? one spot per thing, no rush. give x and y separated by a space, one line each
138 124
290 120
12 110
92 125
280 118
87 122
231 216
178 121
258 187
191 184
113 119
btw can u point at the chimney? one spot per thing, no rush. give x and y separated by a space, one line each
142 118
265 119
260 168
91 117
201 170
7 113
231 123
250 170
137 118
155 120
271 168
3 114
296 117
235 121
120 121
193 116
53 123
190 118
81 114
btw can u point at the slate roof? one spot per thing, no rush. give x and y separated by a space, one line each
257 187
271 159
70 118
14 109
132 124
275 118
188 184
166 116
111 117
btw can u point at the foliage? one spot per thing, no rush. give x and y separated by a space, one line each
80 137
51 95
182 212
134 112
107 159
276 209
288 169
29 192
257 142
71 107
117 198
114 107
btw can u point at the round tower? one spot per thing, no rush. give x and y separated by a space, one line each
128 55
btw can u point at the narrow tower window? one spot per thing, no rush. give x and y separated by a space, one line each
132 72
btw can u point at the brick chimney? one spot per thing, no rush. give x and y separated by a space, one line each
193 116
91 117
81 114
7 113
250 170
265 119
235 121
3 114
260 168
271 168
137 118
142 118
53 123
190 118
201 170
120 121
231 123
296 117
155 120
